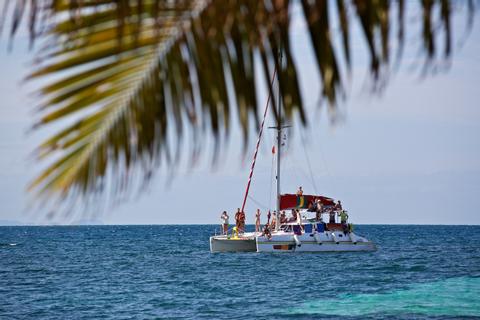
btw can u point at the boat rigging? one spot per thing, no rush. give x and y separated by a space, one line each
306 230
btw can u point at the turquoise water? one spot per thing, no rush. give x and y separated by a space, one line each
450 297
123 272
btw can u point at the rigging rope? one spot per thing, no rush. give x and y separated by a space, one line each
258 203
271 179
329 175
258 141
309 165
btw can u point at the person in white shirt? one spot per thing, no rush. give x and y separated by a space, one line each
224 217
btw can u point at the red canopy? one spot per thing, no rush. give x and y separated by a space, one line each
291 201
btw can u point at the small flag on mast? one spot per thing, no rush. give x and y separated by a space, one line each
273 150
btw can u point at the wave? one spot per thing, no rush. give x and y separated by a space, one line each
8 244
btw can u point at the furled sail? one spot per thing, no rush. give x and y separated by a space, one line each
292 201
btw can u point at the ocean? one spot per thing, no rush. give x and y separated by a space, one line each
167 271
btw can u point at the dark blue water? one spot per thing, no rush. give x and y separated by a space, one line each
121 272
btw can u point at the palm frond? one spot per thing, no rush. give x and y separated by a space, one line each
136 73
118 96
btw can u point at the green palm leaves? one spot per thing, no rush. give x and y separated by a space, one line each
133 75
116 95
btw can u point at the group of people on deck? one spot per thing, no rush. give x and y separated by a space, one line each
295 217
239 221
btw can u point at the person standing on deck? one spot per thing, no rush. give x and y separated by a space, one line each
241 222
237 218
338 206
318 206
268 217
332 216
299 219
257 221
343 216
293 218
225 223
300 191
283 217
274 221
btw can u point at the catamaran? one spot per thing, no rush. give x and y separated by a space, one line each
310 234
305 233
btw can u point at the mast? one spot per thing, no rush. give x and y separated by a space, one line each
258 143
279 144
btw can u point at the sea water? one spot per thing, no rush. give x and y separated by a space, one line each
124 272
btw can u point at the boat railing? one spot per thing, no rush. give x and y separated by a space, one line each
219 231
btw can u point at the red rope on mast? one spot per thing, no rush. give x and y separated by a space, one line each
258 141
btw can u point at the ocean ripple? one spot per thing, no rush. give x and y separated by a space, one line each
149 272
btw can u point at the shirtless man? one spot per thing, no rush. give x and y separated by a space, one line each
293 218
318 205
283 217
237 218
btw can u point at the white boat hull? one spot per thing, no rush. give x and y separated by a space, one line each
226 244
278 246
318 242
329 241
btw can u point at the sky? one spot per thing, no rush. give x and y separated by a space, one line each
409 155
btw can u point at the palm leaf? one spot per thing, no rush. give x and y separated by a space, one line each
135 74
